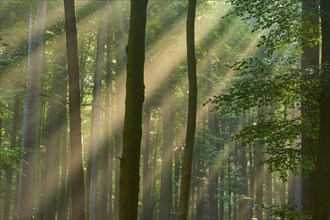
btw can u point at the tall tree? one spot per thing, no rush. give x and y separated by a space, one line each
76 162
107 151
147 209
260 168
96 116
31 117
309 65
56 119
9 172
213 175
130 159
120 39
165 201
321 197
192 107
244 191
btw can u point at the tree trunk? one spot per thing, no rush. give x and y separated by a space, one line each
309 61
9 172
31 117
176 179
118 112
76 162
147 175
107 150
213 175
130 159
259 169
55 122
96 117
269 196
221 125
321 196
165 201
244 191
252 179
192 106
64 194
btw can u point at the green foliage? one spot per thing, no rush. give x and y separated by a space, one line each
288 211
10 158
281 21
263 82
268 82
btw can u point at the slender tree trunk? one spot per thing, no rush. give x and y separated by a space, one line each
244 190
176 179
147 180
259 169
229 183
165 201
309 61
252 179
55 122
213 175
76 162
321 196
119 72
95 120
9 172
107 151
192 106
221 124
199 210
130 159
269 196
31 117
63 200
291 188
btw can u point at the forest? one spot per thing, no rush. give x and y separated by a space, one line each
165 109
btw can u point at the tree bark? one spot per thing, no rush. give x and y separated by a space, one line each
107 151
31 117
192 107
244 191
130 159
55 122
165 202
259 169
147 174
95 118
120 32
213 176
309 61
321 196
76 162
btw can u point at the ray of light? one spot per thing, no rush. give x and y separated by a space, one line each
158 66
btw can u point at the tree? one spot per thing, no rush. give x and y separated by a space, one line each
147 197
130 159
192 107
165 202
31 116
76 163
9 172
107 151
96 117
321 196
309 65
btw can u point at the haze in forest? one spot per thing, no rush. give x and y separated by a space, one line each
172 109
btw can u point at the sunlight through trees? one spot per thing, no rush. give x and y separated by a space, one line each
147 109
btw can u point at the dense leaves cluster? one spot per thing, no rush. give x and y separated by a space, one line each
281 21
266 83
10 158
